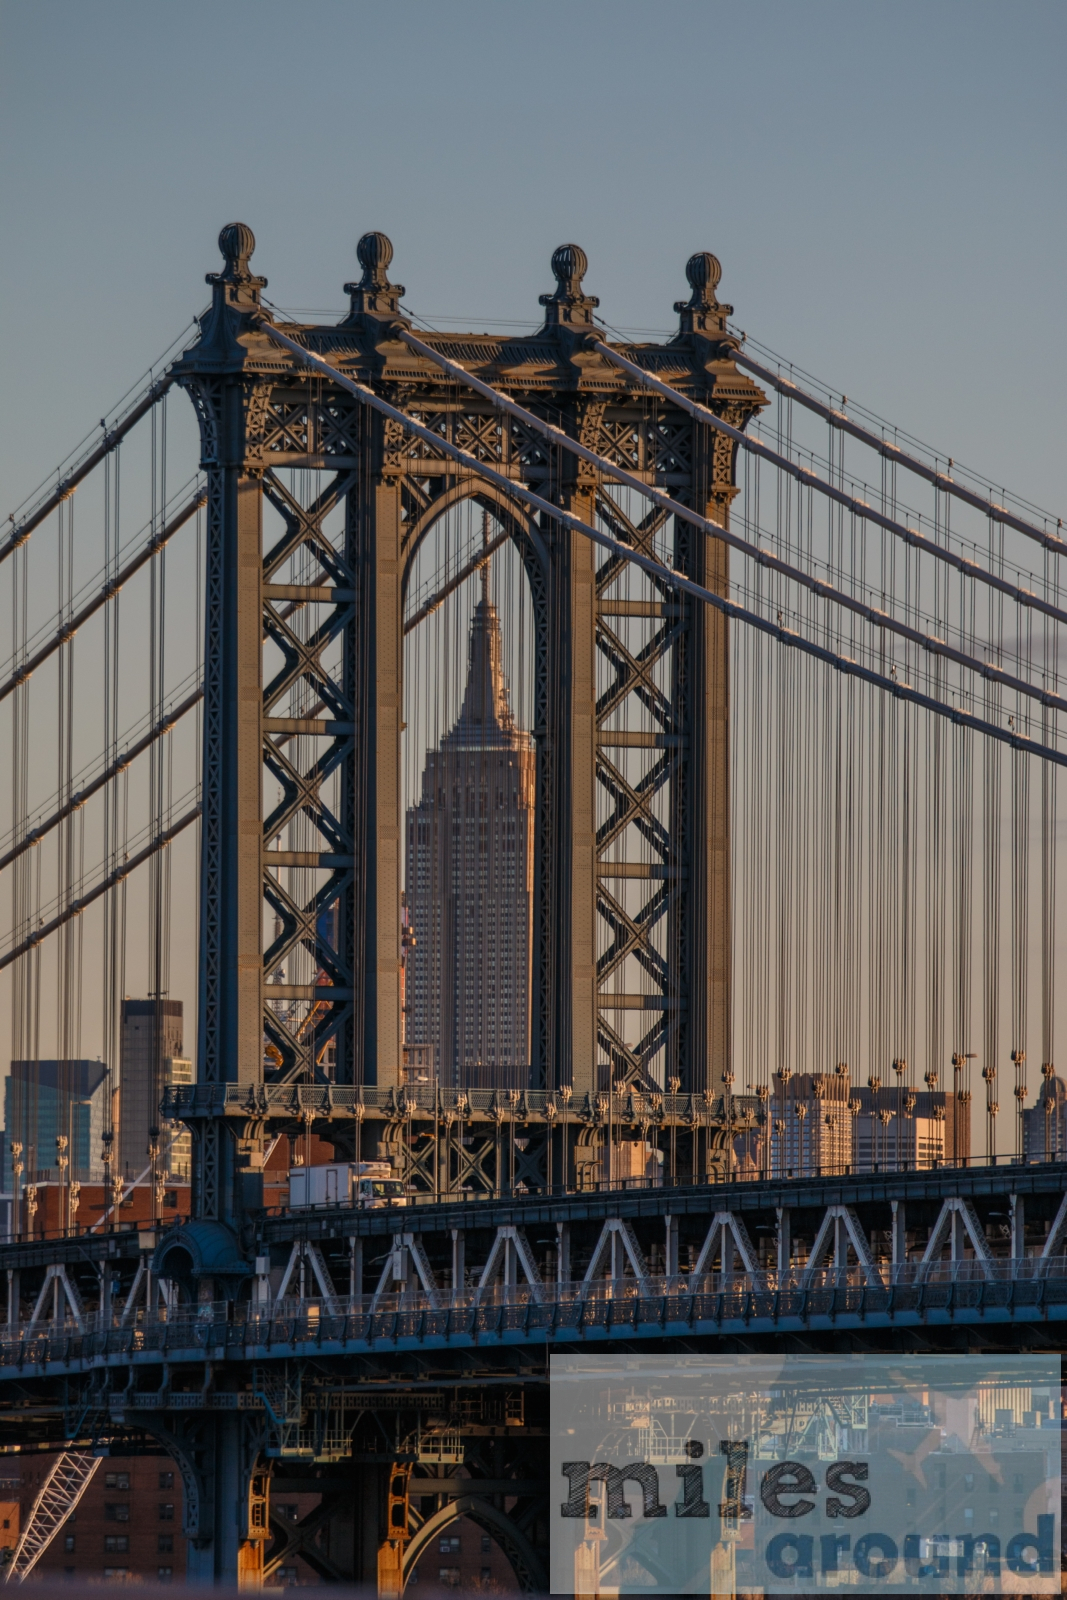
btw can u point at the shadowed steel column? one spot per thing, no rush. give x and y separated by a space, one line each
379 635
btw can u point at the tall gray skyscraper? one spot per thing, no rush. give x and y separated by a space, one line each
470 884
144 1075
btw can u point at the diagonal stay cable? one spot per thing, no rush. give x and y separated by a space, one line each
76 907
825 591
885 447
860 508
126 759
20 531
139 399
677 580
69 629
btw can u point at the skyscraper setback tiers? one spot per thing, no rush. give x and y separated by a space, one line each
470 883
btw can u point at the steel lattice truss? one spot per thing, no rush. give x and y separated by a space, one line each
307 691
633 674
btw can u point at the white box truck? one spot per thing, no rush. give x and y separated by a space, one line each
365 1184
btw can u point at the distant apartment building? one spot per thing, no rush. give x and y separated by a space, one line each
126 1528
809 1124
45 1101
886 1134
470 888
151 1053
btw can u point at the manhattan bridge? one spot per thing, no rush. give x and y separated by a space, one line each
785 685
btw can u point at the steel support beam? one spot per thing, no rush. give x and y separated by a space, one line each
375 912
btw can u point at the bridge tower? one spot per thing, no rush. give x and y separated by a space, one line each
331 698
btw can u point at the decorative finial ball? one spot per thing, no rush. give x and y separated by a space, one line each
237 241
569 264
703 271
374 252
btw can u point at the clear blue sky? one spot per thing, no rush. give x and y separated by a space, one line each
884 184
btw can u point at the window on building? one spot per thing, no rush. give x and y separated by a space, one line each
487 1544
117 1480
170 1200
288 1575
68 1543
165 1574
166 1511
285 1511
116 1544
487 1574
116 1511
116 1574
166 1544
449 1576
449 1545
166 1480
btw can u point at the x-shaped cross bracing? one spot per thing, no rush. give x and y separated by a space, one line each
303 526
633 935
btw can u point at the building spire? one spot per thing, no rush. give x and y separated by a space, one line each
485 718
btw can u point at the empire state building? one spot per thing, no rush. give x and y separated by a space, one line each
470 883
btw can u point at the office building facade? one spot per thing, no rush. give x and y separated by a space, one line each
48 1100
887 1136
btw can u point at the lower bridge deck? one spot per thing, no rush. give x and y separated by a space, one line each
747 1308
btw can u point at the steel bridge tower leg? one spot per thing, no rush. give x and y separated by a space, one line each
377 513
701 807
226 394
566 1022
226 1493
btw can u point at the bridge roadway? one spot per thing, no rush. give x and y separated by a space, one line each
329 1352
878 1257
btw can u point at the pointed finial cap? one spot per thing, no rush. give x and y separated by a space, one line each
569 305
703 271
702 312
374 295
237 284
374 253
237 242
569 266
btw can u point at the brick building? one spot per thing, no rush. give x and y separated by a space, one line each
52 1202
464 1557
126 1526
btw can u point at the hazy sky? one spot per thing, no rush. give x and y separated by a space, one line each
884 184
